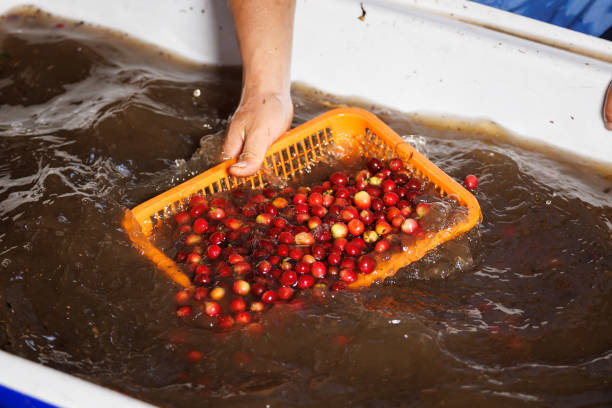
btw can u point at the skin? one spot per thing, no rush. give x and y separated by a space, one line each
607 110
264 29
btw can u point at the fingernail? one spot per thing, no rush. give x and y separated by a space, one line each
240 164
609 125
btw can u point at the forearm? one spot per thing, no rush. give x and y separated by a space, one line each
264 29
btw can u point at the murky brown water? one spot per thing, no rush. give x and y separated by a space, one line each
90 125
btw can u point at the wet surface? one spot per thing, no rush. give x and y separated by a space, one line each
90 124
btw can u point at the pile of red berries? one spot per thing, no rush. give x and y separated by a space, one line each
246 251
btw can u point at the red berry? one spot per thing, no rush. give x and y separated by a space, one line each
422 209
304 238
194 356
299 199
216 213
339 230
356 227
237 305
334 258
396 165
225 321
269 296
241 268
409 226
200 293
390 199
193 239
315 199
183 311
413 184
198 200
212 308
318 270
202 279
387 185
366 264
285 292
471 182
182 218
339 178
217 238
374 165
213 251
348 275
241 287
296 253
243 317
288 278
362 200
182 296
305 281
194 258
302 268
234 258
338 286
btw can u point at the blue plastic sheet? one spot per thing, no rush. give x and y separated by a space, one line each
592 17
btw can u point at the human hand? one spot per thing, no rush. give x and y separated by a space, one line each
259 120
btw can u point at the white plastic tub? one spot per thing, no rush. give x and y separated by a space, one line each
435 58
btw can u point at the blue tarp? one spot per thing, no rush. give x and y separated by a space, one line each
592 17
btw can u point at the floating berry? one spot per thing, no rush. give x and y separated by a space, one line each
182 296
243 318
374 165
194 258
348 275
217 293
396 165
382 246
182 218
471 182
183 311
193 239
194 356
216 213
422 209
356 227
241 287
285 293
269 296
213 251
362 200
225 321
304 238
305 281
318 270
409 226
339 230
212 308
366 264
200 293
237 305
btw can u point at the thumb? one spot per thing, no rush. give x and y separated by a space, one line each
253 153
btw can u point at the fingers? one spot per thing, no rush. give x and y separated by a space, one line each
607 111
253 153
234 139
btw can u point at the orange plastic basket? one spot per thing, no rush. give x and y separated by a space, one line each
352 130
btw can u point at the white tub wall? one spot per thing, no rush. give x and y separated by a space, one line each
56 388
412 55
